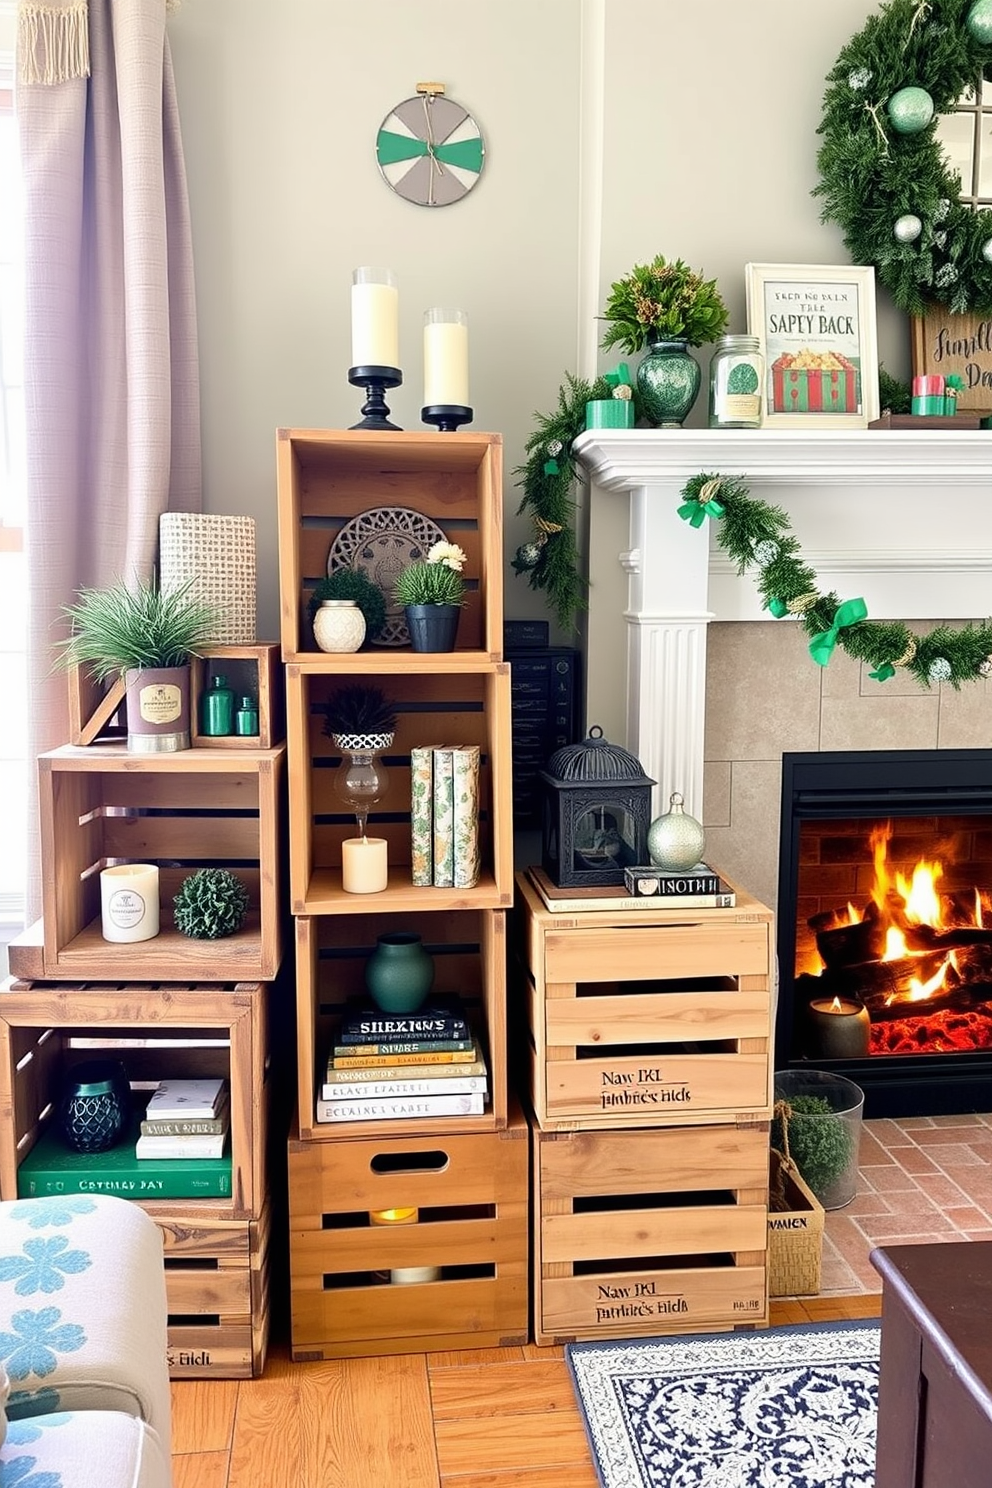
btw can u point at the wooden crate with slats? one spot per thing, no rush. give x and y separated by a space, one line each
217 1290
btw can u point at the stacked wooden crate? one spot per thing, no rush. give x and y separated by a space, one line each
169 1007
464 1177
650 1083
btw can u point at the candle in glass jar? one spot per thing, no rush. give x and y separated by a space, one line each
446 358
375 318
129 902
841 1028
364 868
404 1275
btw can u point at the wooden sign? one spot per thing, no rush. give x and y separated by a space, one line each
946 344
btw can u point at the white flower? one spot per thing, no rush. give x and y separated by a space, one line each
450 554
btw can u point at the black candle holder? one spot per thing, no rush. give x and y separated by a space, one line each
447 416
375 381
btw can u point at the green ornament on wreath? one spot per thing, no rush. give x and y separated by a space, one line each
883 174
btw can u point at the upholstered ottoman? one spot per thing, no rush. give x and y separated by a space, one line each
83 1341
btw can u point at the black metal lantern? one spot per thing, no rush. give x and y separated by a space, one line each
595 813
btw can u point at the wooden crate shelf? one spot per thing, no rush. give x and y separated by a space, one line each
469 949
182 811
217 1291
646 1017
459 705
254 670
158 1031
470 1192
649 1231
327 477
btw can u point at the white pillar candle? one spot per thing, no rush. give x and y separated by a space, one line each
446 358
363 865
129 902
375 318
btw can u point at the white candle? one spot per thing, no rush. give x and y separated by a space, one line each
375 319
446 358
405 1275
129 902
363 865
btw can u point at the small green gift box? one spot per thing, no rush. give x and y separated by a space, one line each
610 413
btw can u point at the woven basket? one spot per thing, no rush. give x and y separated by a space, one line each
795 1235
218 555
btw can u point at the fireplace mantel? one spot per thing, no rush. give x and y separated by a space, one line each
901 518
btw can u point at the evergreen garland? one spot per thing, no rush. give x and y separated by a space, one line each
756 535
551 559
872 176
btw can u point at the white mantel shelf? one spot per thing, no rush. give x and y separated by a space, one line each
901 518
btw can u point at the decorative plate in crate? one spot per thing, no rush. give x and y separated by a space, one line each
380 543
795 1234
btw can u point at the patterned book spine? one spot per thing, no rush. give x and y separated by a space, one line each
465 770
444 810
421 816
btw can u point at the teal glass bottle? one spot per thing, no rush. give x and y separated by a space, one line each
218 709
246 718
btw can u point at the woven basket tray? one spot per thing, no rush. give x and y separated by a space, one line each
795 1237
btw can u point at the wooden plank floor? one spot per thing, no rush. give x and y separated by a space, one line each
485 1418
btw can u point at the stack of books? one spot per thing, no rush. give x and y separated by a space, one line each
388 1066
173 1149
700 887
444 816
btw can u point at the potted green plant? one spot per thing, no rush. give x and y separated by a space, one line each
147 636
346 609
666 307
432 592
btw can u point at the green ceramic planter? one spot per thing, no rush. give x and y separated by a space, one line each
399 973
668 383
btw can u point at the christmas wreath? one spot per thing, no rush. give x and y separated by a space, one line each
884 177
756 535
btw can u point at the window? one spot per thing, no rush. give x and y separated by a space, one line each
966 136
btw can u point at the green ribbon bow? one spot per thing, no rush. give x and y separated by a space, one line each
778 608
551 467
695 511
619 378
885 671
821 647
954 383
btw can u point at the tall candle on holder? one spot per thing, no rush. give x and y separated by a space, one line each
129 902
364 868
446 358
375 318
841 1028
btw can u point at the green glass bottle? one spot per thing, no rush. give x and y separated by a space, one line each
218 709
246 718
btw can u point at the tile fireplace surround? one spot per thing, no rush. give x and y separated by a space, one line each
717 689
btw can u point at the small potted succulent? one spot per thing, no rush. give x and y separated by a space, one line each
666 307
148 636
346 609
432 592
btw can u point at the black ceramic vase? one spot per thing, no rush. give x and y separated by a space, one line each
96 1105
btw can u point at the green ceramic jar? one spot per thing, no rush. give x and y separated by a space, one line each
399 973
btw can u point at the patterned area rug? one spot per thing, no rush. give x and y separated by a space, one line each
789 1406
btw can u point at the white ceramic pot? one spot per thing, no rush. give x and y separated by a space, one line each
339 625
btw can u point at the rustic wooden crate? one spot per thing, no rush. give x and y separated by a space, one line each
644 1017
182 811
649 1231
158 1031
469 949
248 669
96 709
464 705
471 1194
327 477
217 1290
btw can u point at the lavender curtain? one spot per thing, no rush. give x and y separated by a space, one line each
111 378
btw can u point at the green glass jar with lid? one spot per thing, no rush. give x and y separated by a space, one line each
217 713
736 378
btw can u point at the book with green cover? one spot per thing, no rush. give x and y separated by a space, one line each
421 815
443 839
53 1168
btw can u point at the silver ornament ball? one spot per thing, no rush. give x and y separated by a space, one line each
766 551
910 110
979 22
908 228
939 669
987 250
529 555
676 840
985 667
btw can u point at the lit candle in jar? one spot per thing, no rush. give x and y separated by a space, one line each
841 1028
404 1275
129 902
445 359
375 318
364 868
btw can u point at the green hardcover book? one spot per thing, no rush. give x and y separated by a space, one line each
53 1168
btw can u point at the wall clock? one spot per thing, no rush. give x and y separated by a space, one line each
429 148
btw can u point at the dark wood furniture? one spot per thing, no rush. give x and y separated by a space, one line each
935 1387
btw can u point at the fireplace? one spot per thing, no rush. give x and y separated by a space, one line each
885 908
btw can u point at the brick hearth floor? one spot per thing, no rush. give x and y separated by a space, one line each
922 1178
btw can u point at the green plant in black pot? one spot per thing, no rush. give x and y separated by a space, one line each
211 903
432 592
351 583
819 1141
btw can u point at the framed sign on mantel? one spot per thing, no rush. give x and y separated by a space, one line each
956 345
